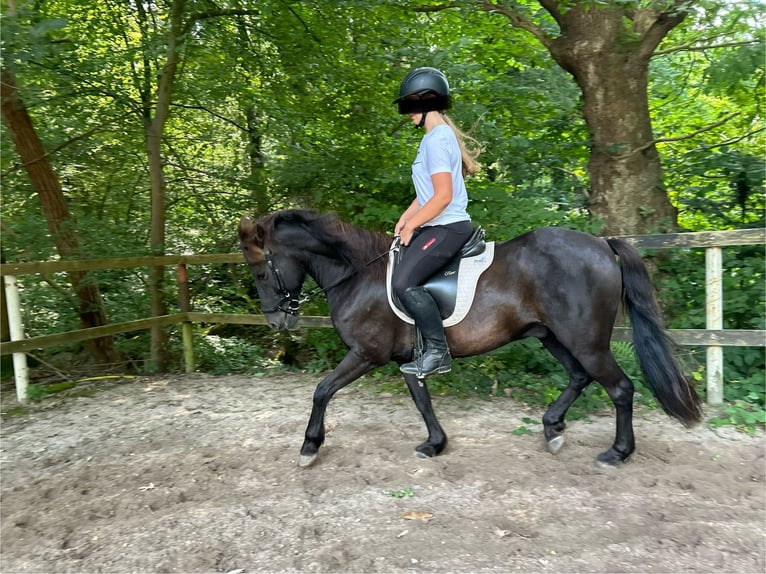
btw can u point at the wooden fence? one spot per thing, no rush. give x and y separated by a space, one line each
713 337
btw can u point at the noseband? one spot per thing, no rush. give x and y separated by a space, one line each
289 303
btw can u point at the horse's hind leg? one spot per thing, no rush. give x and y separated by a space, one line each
619 387
437 440
553 419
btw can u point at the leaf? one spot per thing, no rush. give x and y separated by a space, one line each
403 493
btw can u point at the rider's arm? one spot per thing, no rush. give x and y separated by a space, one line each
442 183
408 213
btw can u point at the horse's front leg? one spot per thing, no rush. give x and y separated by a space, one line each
348 370
437 440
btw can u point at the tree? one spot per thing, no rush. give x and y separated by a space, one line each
45 182
607 49
179 29
251 106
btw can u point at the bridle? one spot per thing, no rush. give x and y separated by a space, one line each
291 304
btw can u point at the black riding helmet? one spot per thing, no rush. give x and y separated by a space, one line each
423 90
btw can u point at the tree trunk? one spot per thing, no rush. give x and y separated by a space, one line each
257 163
607 50
48 187
154 127
154 134
5 325
610 63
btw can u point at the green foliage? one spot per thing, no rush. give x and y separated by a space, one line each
745 398
291 106
682 274
223 356
327 349
521 430
744 415
37 392
707 109
401 493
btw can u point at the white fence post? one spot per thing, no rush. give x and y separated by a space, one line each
20 370
714 320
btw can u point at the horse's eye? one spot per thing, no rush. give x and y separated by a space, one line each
261 276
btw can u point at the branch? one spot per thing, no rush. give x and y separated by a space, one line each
675 139
691 48
305 26
212 113
655 26
552 7
732 141
399 125
61 374
437 7
518 20
102 127
209 14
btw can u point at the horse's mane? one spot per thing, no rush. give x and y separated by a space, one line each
362 248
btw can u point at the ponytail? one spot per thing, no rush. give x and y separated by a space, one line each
469 152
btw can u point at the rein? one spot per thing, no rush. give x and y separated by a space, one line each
290 303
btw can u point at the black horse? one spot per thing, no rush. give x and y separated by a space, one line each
561 286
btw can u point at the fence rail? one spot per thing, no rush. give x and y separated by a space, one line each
713 337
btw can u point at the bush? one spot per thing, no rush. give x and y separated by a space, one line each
222 356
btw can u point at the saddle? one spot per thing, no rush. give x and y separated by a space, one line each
453 287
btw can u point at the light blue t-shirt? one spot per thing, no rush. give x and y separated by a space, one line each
439 152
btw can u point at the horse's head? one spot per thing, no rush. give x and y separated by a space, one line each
278 274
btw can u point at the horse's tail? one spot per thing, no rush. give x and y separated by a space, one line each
675 393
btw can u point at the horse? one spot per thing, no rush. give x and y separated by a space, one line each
561 286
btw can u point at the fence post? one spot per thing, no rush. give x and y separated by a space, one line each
714 320
184 301
20 369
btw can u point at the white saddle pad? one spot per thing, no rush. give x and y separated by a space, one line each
469 272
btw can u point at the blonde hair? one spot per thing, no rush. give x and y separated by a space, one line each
469 152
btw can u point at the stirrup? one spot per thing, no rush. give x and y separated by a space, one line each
432 361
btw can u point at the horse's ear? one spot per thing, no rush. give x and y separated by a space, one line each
250 231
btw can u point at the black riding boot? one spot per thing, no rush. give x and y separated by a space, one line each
436 357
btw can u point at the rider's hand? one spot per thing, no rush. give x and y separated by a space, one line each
405 234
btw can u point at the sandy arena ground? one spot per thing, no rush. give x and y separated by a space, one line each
198 474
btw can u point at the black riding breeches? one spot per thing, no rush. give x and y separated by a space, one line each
430 249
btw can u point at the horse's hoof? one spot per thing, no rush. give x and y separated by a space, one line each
306 460
422 454
610 459
555 444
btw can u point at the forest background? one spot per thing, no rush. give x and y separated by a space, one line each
135 128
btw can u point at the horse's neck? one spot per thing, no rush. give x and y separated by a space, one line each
328 272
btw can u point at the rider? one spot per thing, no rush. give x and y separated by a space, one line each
435 225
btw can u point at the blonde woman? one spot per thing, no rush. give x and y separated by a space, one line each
436 224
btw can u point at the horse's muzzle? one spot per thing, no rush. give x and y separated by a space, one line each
282 321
